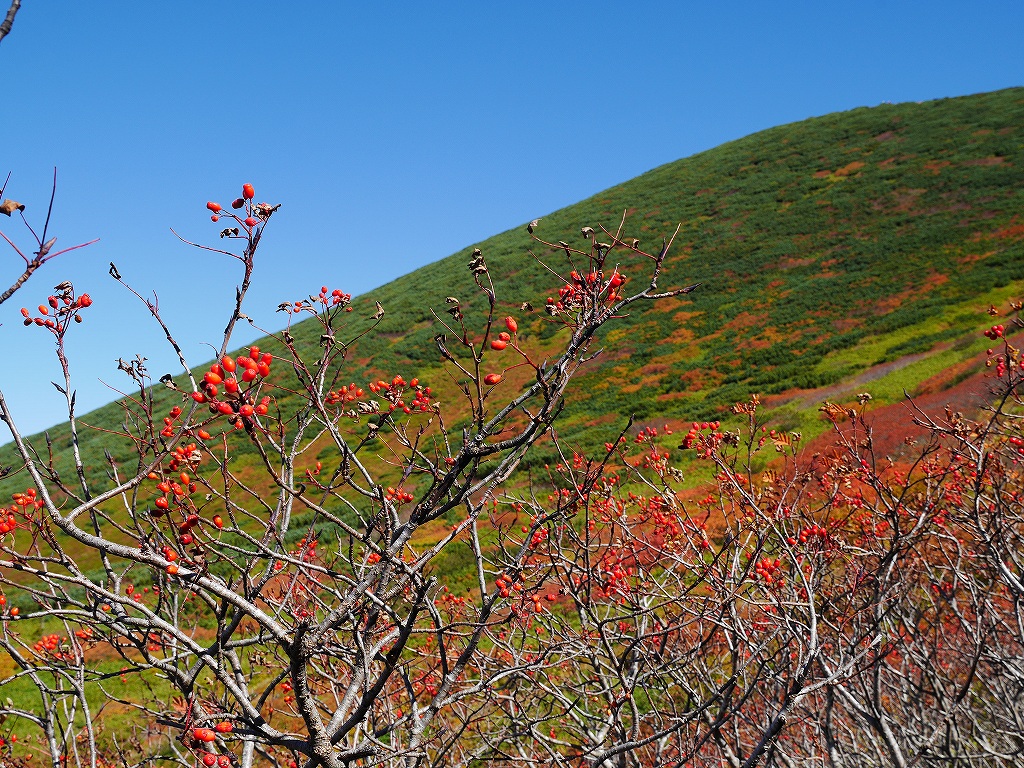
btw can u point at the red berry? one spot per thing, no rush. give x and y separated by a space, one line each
215 218
492 378
236 204
219 522
248 192
251 222
498 344
511 324
215 207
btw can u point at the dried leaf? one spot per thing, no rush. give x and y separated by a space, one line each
7 207
380 312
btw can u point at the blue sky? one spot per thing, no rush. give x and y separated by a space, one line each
394 134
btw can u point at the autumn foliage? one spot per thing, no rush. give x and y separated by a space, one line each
376 584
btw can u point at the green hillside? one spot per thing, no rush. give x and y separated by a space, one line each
823 247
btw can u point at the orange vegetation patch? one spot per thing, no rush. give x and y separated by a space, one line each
936 166
850 168
791 263
888 304
972 257
1010 233
744 321
696 380
674 302
844 324
994 160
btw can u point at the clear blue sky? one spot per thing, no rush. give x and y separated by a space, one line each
395 133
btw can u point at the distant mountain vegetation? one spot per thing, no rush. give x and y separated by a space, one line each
863 245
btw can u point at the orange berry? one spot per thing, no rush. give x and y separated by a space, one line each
492 378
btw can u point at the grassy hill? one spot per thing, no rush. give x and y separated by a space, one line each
869 240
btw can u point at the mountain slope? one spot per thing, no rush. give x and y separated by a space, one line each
824 248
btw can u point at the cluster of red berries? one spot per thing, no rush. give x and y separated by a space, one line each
134 594
807 533
23 503
65 310
509 585
48 644
209 759
995 332
616 578
648 434
306 549
573 294
767 570
696 428
398 496
237 403
202 736
183 456
539 537
170 556
248 193
209 735
504 338
450 600
346 394
168 430
1002 364
173 487
394 393
336 298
